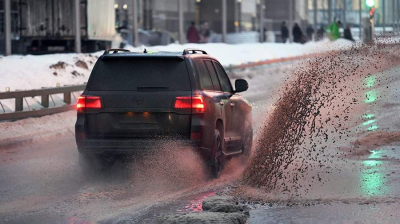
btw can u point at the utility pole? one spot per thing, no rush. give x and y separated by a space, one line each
261 21
290 25
224 28
181 32
315 7
135 23
77 26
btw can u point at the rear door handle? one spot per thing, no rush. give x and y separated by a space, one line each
232 104
221 103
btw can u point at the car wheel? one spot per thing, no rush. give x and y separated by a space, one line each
216 159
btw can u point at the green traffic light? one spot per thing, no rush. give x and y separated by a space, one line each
370 3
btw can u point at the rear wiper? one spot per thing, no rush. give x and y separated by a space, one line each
151 87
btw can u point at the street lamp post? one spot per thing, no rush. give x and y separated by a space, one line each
315 18
135 23
224 27
344 13
261 6
329 12
290 21
383 16
360 16
181 33
77 26
7 26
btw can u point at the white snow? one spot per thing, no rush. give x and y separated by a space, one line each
34 72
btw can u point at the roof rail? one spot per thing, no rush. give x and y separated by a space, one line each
187 51
115 50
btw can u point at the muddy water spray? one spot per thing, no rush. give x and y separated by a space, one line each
310 116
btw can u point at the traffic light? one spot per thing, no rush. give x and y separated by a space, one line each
371 12
370 3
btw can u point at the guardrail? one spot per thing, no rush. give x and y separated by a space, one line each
45 94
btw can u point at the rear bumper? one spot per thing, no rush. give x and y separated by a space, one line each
136 146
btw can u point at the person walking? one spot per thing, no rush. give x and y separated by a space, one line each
321 33
284 32
347 34
205 33
297 33
334 32
192 34
310 32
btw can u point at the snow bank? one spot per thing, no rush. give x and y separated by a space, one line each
33 72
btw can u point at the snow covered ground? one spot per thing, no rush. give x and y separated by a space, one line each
32 72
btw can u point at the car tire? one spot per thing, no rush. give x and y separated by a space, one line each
216 158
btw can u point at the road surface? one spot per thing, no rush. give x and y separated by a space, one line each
41 182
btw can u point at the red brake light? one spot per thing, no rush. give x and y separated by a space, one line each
196 103
92 102
183 102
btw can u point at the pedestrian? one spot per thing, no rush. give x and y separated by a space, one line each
297 34
321 33
347 34
310 32
192 34
205 33
284 32
334 32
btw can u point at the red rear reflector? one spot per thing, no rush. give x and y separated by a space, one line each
196 103
91 102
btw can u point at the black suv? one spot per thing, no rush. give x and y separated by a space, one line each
133 101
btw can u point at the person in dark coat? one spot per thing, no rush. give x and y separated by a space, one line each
310 32
347 34
192 34
284 32
321 33
297 34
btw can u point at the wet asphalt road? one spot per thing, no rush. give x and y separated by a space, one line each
42 182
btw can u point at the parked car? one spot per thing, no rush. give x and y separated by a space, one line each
133 101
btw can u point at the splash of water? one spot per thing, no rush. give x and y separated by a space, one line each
310 116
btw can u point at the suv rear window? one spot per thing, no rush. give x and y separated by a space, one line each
124 74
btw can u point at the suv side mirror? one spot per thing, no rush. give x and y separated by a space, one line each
241 85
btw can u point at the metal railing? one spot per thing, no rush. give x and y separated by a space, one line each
45 94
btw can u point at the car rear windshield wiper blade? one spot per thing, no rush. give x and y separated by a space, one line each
151 87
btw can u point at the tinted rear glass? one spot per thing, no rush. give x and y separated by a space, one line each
124 74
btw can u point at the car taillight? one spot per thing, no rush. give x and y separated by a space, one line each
196 103
88 102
